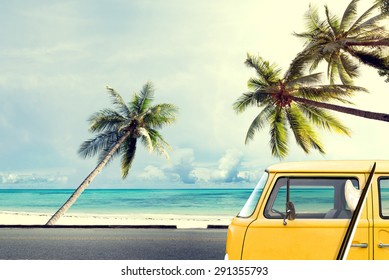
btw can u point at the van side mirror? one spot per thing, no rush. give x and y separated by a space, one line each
290 212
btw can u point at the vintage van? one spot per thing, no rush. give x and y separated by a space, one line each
302 211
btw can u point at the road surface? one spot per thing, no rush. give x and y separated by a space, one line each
112 244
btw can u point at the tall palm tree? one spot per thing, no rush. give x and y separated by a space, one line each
295 103
345 42
118 131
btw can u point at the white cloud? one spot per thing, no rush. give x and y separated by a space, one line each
182 164
152 173
226 171
32 179
184 168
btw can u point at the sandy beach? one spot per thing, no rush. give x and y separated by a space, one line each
181 221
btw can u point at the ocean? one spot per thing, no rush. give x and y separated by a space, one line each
226 202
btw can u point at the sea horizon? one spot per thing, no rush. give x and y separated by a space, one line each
120 201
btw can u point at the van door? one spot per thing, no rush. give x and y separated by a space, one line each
321 220
381 218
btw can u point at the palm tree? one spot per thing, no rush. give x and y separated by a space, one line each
345 42
118 131
296 102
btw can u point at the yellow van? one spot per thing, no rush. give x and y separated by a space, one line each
302 211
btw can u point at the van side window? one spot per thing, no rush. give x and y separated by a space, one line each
383 184
313 198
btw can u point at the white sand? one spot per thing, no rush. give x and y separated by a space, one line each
181 221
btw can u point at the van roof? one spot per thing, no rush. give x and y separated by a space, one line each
333 166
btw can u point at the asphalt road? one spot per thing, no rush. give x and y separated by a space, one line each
112 244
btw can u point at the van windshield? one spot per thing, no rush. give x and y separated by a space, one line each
251 203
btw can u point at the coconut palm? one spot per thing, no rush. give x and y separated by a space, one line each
345 42
297 103
118 131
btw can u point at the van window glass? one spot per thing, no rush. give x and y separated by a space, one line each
251 203
384 197
313 198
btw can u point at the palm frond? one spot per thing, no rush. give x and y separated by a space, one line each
160 115
369 24
355 28
308 36
106 119
328 92
141 101
305 80
251 99
313 23
278 134
145 138
349 66
349 14
315 62
104 152
304 135
376 35
127 155
256 84
268 73
103 141
322 119
159 143
259 122
118 101
373 59
332 69
244 101
343 74
298 65
332 22
317 93
298 128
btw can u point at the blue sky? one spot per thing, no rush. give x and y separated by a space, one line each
58 56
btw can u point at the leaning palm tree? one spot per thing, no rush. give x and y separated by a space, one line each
345 42
118 131
295 102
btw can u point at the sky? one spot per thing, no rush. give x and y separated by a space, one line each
57 57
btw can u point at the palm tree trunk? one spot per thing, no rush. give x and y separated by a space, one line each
351 111
61 211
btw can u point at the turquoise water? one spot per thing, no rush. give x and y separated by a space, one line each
159 201
124 201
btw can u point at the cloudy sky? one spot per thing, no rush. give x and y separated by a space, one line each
58 56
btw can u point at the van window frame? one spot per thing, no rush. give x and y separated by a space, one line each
259 188
272 197
379 196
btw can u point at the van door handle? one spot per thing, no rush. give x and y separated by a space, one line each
359 245
382 245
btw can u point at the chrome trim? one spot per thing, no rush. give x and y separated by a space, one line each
382 245
359 245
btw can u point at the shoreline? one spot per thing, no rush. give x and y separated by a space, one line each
131 219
